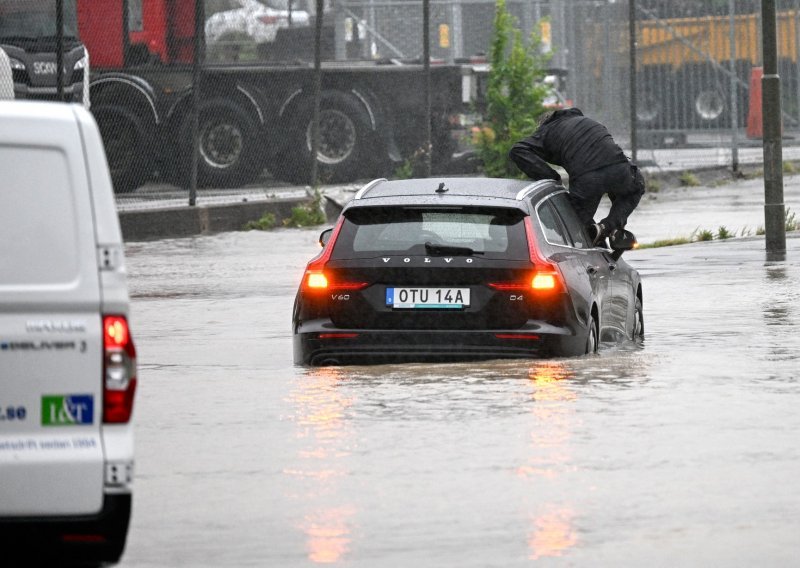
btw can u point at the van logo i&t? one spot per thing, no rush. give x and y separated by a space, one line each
67 410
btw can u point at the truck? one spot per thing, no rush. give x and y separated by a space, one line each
687 66
28 36
255 110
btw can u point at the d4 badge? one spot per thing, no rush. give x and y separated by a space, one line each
67 410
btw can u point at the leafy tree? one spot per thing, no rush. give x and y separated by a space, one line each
515 93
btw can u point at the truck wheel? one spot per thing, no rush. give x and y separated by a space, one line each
228 140
343 140
710 104
127 143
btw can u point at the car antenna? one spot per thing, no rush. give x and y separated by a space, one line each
441 188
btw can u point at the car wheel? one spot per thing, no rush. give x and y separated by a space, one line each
127 142
638 321
592 344
344 140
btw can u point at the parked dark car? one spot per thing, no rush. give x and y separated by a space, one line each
462 268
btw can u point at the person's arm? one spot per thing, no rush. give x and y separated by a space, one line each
530 156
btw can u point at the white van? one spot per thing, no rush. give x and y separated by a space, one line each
67 359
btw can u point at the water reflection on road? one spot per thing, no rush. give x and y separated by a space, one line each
680 452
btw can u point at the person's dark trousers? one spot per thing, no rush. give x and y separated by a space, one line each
617 180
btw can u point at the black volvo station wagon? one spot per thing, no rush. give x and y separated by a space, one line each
462 268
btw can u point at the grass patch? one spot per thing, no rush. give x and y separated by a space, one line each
789 168
792 223
704 235
653 185
667 243
760 230
266 223
688 179
723 233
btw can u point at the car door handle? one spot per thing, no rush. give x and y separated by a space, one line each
592 269
612 266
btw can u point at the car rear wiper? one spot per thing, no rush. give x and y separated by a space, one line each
431 248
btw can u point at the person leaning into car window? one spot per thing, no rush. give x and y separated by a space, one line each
595 164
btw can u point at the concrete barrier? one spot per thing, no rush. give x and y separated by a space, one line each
173 222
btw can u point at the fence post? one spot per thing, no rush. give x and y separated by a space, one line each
632 50
197 77
60 49
426 65
320 4
774 216
733 89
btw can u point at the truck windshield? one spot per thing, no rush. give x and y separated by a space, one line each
35 19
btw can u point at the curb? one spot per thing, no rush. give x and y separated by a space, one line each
174 222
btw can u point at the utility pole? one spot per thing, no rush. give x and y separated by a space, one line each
774 216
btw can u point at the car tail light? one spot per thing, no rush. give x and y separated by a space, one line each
337 335
547 276
269 20
119 370
316 280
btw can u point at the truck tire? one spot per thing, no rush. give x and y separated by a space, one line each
345 140
127 143
228 145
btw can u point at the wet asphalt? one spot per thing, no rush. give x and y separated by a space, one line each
679 452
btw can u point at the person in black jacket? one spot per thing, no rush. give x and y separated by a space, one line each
595 164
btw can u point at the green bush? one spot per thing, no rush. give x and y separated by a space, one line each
266 223
688 179
307 215
515 93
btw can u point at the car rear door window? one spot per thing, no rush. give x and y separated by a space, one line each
488 232
553 231
573 225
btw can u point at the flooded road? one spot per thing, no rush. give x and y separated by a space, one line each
680 453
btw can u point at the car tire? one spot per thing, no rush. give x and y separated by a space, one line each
592 343
345 141
638 321
127 143
228 145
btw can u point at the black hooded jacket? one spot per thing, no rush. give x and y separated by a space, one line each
570 140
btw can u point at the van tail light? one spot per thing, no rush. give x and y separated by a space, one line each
119 370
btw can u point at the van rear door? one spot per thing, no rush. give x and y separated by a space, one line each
51 358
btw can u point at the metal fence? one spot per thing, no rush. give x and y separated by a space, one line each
695 71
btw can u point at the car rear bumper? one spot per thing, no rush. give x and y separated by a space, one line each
72 540
318 342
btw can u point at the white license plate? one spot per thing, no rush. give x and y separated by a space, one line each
430 298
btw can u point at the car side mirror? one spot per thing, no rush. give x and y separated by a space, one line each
324 237
620 241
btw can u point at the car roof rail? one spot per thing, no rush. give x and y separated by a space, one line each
363 191
530 188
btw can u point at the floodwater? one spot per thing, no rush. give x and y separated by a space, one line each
682 452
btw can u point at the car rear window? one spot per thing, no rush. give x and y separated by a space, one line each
488 232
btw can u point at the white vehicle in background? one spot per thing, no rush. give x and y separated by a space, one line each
253 19
67 358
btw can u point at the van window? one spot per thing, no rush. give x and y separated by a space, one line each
38 230
489 232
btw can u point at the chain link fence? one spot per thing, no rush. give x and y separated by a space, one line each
697 95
